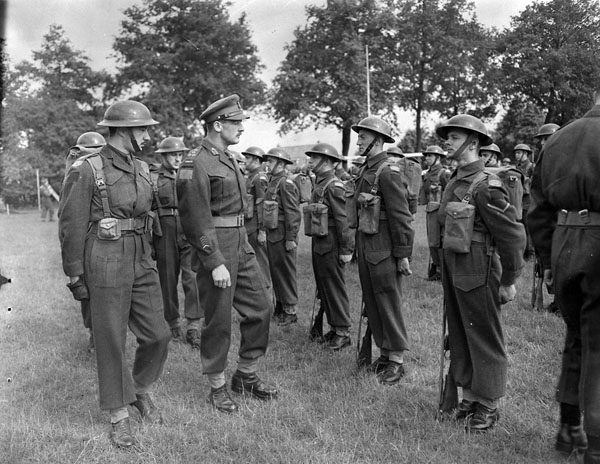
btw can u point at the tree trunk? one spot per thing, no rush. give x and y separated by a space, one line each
346 133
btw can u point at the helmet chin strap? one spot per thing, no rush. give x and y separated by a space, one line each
470 138
319 164
136 146
369 147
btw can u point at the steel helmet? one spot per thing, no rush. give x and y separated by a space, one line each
377 125
547 130
170 145
90 140
326 150
466 122
396 151
279 154
254 151
492 147
523 147
127 113
434 150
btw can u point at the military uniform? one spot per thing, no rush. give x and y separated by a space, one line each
256 186
47 202
565 222
173 253
471 282
326 251
526 169
282 262
379 254
120 274
212 200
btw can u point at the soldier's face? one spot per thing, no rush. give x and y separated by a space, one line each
456 138
430 160
520 155
365 137
314 163
172 161
231 131
141 136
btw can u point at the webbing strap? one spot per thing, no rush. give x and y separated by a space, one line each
97 166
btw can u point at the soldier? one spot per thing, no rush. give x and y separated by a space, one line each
522 154
490 154
332 243
281 218
304 183
564 221
173 251
212 200
435 180
48 196
383 244
506 161
87 144
104 229
256 187
545 132
480 270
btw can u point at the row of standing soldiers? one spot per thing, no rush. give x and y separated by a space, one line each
106 223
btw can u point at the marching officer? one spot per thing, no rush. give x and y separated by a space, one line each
104 230
565 221
281 218
173 251
435 180
332 243
87 144
383 244
256 187
212 200
480 270
524 164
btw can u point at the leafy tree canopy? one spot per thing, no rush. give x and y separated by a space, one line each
178 56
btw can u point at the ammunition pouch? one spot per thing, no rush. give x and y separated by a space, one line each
370 208
458 229
109 228
433 225
270 214
316 222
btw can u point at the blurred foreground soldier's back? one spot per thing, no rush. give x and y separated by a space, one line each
104 230
564 222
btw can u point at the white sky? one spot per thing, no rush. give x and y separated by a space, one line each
91 26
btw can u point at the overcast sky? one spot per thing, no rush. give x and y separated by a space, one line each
91 26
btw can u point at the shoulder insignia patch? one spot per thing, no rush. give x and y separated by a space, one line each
186 174
394 168
495 183
78 162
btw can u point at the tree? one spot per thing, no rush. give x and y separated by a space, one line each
178 56
322 80
438 59
550 57
46 105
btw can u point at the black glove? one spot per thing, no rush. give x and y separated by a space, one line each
79 290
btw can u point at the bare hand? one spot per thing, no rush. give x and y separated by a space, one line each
345 259
548 278
261 237
221 277
290 245
507 293
403 267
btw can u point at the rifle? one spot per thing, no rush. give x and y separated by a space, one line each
364 349
537 288
448 391
316 330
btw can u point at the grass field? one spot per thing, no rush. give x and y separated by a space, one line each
327 412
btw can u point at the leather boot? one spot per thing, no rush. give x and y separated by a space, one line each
251 383
149 412
571 438
220 400
120 434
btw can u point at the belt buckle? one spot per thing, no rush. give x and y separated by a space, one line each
584 215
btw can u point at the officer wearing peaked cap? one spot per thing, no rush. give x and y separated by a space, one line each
281 217
104 230
384 243
479 272
256 187
212 201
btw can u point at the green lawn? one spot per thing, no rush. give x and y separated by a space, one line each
327 412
